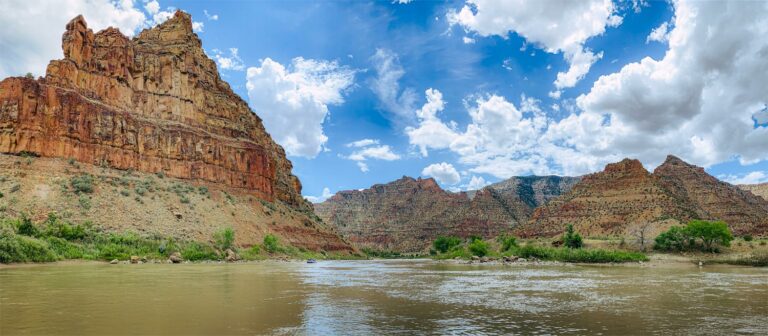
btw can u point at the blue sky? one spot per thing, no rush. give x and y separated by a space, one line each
357 72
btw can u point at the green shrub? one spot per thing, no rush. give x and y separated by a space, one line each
252 253
65 249
17 248
125 193
444 244
194 251
1 194
140 190
82 184
479 248
55 227
674 239
85 202
507 242
572 239
747 238
184 199
271 243
26 227
224 238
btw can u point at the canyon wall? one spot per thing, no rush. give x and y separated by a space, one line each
151 104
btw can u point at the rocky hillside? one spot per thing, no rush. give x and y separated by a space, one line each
408 214
154 104
625 198
757 189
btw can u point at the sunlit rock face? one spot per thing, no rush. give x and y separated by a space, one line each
154 103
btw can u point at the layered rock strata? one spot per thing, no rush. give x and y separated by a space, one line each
406 215
154 103
625 197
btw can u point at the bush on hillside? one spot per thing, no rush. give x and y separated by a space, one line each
444 244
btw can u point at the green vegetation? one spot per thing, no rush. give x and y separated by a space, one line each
443 244
572 239
225 238
578 255
479 247
757 260
507 246
85 202
507 242
747 238
699 235
82 184
271 243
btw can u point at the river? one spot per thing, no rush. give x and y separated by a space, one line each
405 297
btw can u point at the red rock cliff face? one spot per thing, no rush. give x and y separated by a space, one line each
152 103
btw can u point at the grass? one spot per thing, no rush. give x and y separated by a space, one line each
579 255
759 259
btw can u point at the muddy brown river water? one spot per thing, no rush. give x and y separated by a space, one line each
408 297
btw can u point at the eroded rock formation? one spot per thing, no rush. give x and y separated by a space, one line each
154 103
625 196
406 215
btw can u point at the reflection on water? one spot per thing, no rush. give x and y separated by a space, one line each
381 297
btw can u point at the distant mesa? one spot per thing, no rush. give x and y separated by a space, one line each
406 215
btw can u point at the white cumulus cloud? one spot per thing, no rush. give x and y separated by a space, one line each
477 182
31 29
698 101
442 172
369 149
230 61
659 34
555 26
319 199
293 101
754 177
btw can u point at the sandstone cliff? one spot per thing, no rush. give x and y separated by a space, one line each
153 104
408 214
625 197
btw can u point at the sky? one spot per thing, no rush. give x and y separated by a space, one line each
469 92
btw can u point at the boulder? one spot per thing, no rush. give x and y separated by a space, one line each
231 256
134 259
114 261
175 258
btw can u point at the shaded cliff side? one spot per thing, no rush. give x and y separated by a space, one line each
408 214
